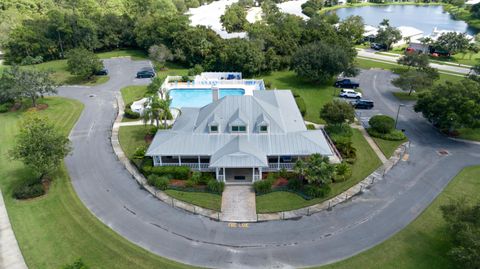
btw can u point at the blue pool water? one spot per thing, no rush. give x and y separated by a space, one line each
198 97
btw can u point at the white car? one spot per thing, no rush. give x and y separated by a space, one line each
347 93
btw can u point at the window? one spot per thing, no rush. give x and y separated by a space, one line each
263 128
239 128
214 128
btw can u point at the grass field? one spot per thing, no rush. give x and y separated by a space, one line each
134 54
405 97
315 95
470 134
367 162
202 199
57 229
423 244
132 137
387 146
133 93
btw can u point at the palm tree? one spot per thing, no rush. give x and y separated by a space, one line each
300 168
164 105
153 110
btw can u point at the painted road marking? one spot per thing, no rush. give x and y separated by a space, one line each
237 225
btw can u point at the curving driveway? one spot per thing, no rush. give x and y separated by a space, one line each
112 195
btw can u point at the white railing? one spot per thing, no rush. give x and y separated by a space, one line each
279 166
191 165
172 81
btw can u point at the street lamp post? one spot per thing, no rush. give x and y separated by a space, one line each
398 112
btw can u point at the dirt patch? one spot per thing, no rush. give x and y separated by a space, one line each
39 107
16 107
148 138
177 182
46 184
280 182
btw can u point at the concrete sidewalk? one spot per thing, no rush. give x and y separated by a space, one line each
10 254
372 143
238 204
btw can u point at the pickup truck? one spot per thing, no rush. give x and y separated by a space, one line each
346 83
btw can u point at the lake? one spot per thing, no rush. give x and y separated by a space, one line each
424 18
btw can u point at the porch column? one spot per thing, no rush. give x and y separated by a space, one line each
160 159
278 163
179 161
253 174
260 173
224 175
216 173
199 167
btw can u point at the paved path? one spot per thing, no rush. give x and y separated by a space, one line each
238 204
109 192
10 254
372 143
441 67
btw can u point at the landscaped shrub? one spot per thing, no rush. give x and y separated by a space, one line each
206 177
4 107
78 264
151 130
342 172
335 130
176 172
130 114
268 85
382 124
316 191
395 135
310 126
140 152
28 189
196 178
295 184
160 183
190 183
345 146
262 186
301 105
215 186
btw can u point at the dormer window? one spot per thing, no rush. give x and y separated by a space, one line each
239 128
213 128
263 128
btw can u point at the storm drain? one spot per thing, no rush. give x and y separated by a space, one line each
443 152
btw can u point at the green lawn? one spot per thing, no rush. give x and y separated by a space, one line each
57 229
314 94
202 199
405 97
470 134
387 146
423 244
367 162
133 93
134 54
132 137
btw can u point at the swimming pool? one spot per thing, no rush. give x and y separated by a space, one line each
198 97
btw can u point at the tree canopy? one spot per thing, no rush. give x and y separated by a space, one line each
451 106
320 61
416 79
83 63
40 145
235 18
337 112
387 34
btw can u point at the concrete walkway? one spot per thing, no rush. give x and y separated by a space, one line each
372 143
10 254
238 204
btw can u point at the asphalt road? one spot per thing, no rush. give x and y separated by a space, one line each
367 53
110 193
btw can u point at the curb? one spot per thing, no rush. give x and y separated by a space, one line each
357 189
142 181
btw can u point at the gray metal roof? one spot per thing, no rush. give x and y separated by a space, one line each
287 134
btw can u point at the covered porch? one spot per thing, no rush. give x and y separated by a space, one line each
238 175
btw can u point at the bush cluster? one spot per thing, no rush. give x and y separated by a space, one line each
341 135
382 124
295 184
5 107
176 172
395 135
301 105
128 113
316 191
215 186
28 189
262 186
158 182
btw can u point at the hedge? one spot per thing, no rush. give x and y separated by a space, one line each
130 114
28 189
176 172
382 124
395 135
215 186
301 105
262 186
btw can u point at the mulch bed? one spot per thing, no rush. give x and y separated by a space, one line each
148 138
280 182
16 107
39 107
177 182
